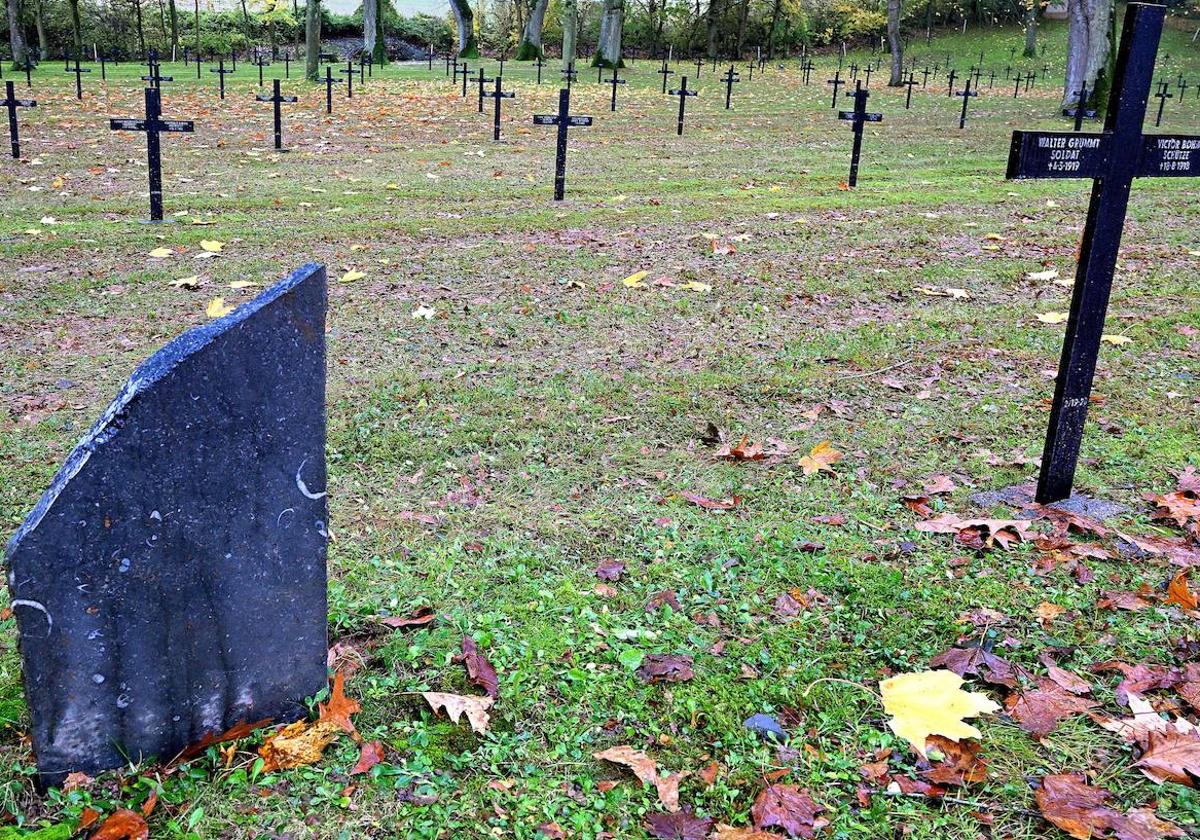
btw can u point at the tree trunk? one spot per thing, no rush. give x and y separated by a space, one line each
530 47
1031 27
141 29
468 47
1090 37
40 22
76 29
570 27
714 26
775 9
197 12
379 55
246 20
370 27
740 40
312 39
895 13
608 46
173 13
16 38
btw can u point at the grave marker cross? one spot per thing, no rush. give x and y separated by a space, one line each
664 72
966 93
1162 96
329 80
565 120
570 74
908 96
683 93
348 70
614 81
276 99
220 71
499 95
731 78
1112 159
857 118
837 82
483 80
808 67
868 71
925 77
12 104
539 64
153 125
260 62
77 70
951 77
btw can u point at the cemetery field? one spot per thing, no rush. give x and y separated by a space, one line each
661 450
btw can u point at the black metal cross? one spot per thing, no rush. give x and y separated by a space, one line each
564 120
12 104
614 81
1162 96
276 99
570 74
498 95
77 70
199 59
699 66
260 62
221 72
329 80
857 118
854 72
731 78
1112 159
925 77
287 64
808 67
539 64
966 93
868 70
1017 89
837 82
153 125
1030 78
1080 110
365 61
664 72
683 93
951 76
103 70
991 79
500 61
446 55
482 80
908 96
1183 86
348 70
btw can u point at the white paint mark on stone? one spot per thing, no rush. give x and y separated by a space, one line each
35 605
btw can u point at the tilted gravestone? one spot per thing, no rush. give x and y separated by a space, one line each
171 582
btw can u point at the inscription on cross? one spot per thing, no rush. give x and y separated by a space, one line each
12 104
276 99
857 118
565 120
153 125
683 93
1112 158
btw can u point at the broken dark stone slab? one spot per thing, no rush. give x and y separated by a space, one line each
171 582
1020 496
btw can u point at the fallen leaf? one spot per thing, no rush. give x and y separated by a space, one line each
479 669
212 246
217 308
1172 756
787 807
1178 592
419 618
457 705
1039 711
1082 811
161 253
821 457
1052 317
679 825
370 754
634 281
123 825
931 703
710 504
666 667
351 275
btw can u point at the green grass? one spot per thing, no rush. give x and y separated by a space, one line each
573 405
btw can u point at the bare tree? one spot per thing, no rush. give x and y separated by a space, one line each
713 20
1090 39
39 22
173 14
76 28
141 29
612 23
895 13
775 9
530 46
16 38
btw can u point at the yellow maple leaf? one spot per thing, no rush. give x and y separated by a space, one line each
351 275
217 308
1052 317
213 246
242 284
634 281
821 457
191 282
1116 339
161 253
697 286
1038 276
932 703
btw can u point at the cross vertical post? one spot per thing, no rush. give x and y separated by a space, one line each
664 72
12 104
276 99
329 80
966 93
564 121
683 93
614 81
731 78
77 70
857 118
499 95
837 82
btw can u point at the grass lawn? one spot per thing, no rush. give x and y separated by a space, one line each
548 418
